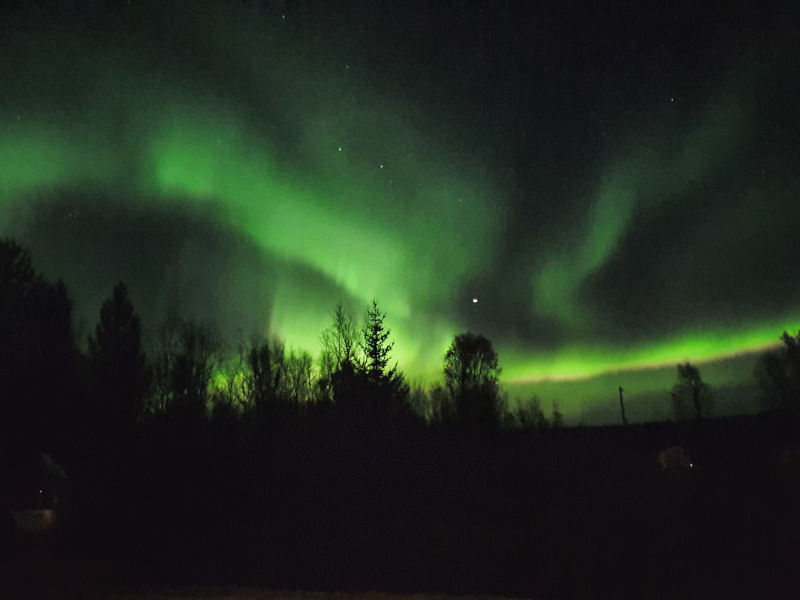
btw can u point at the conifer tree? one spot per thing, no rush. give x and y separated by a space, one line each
387 383
376 346
118 362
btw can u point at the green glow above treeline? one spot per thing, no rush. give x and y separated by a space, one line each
377 208
580 362
320 169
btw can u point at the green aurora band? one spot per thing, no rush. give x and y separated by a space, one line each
582 362
369 191
360 193
625 188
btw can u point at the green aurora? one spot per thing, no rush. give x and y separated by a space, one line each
306 155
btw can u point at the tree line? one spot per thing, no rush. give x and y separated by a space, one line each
48 381
114 385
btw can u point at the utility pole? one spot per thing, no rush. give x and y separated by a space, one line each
622 407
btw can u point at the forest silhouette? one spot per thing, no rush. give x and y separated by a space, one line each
269 466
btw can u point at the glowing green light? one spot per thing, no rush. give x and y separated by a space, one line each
344 191
573 362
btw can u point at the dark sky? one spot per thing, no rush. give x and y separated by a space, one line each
616 184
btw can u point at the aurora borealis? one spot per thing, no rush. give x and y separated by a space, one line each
618 190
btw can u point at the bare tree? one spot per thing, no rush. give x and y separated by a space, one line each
339 342
338 360
231 387
691 396
188 355
528 414
300 376
420 403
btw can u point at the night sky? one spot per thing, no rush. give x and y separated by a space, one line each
617 186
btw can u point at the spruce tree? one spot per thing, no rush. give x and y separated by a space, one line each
387 383
376 346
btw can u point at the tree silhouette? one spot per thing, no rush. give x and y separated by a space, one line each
17 281
558 418
691 397
300 377
442 405
269 386
231 390
528 414
118 363
337 357
420 403
183 369
342 379
471 372
339 342
778 374
376 346
37 354
117 392
386 385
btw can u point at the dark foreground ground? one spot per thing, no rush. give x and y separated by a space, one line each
573 513
38 572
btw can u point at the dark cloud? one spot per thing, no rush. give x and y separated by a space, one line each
174 254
